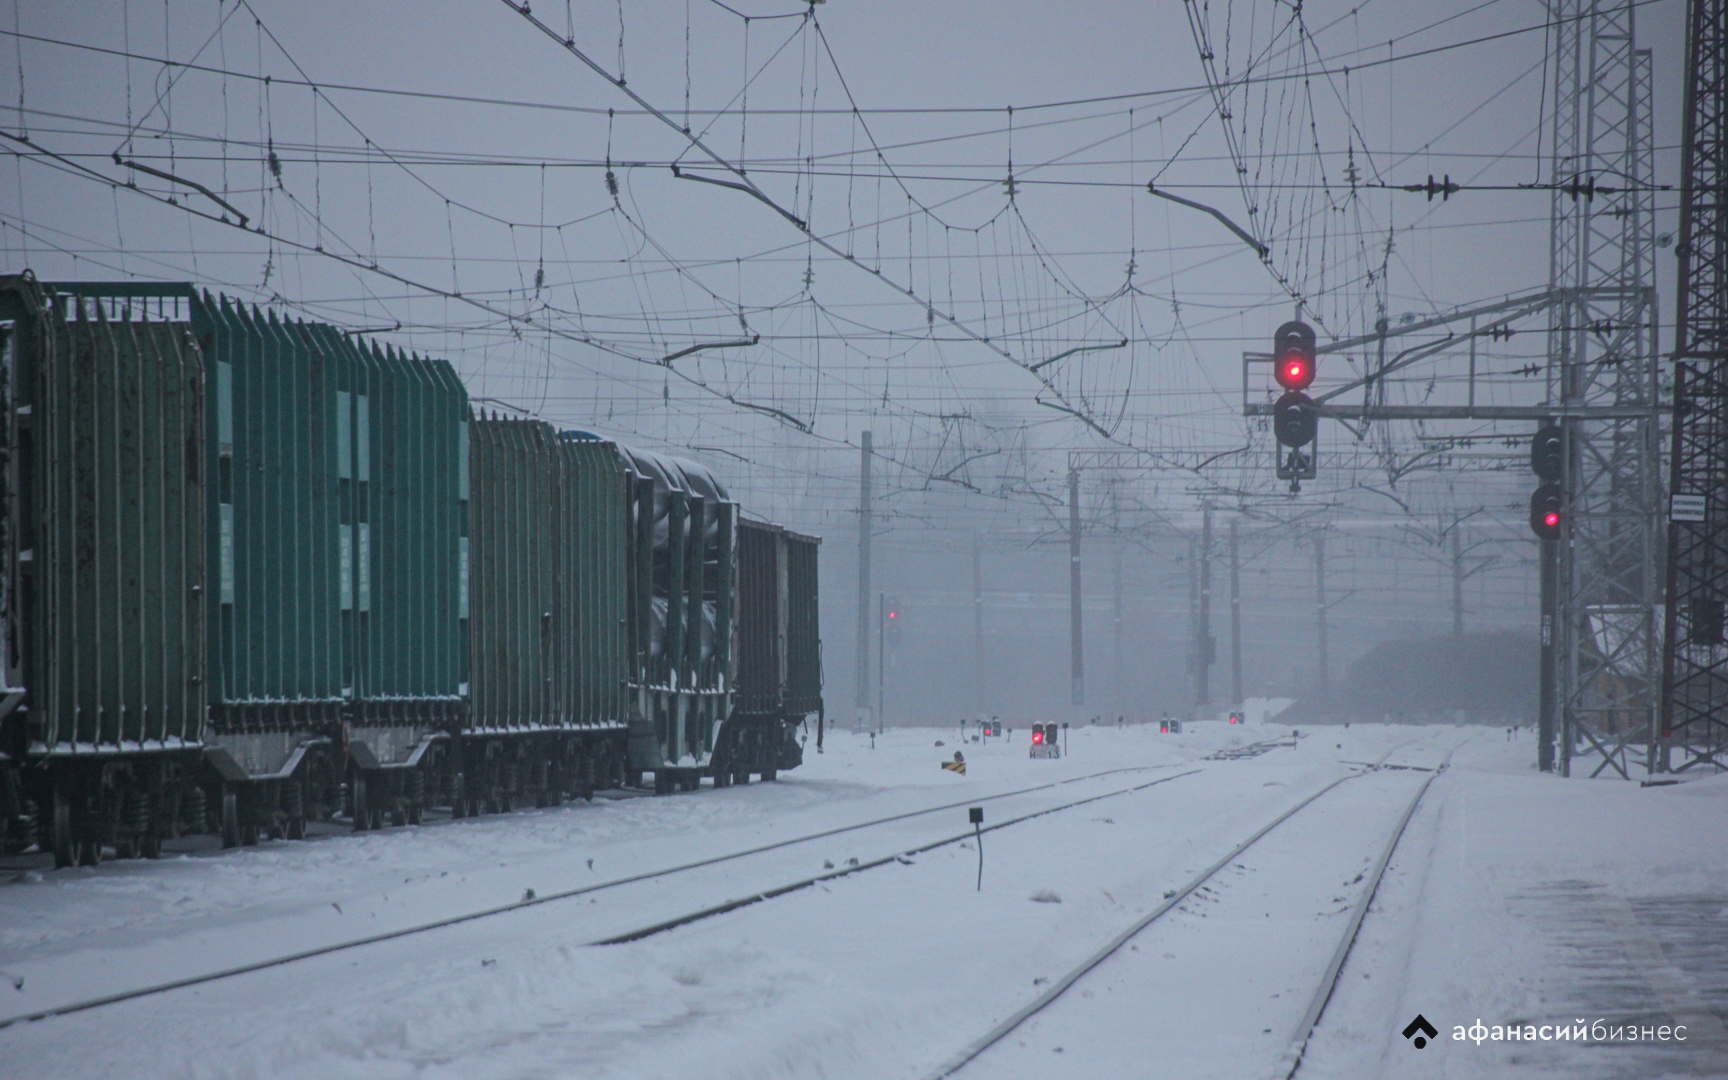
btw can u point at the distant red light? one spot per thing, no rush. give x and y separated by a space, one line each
1551 519
1037 736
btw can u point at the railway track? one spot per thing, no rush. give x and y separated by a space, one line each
1289 1061
588 890
894 859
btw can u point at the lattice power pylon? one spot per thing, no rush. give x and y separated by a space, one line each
1602 372
1694 717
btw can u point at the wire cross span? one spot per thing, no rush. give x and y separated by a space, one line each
742 182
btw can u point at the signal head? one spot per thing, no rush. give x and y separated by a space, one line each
1545 511
1294 420
1295 371
1293 355
1546 457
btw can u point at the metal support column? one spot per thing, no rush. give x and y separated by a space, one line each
1235 619
978 695
1457 580
1203 645
1194 627
1077 661
1325 675
1117 690
1545 707
1694 712
1602 353
881 661
865 527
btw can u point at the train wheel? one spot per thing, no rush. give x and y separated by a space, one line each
65 852
230 818
362 804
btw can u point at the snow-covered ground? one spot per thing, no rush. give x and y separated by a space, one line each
1513 897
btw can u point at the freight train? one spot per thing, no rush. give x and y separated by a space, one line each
258 573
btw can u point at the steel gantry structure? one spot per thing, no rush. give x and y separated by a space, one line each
1603 577
1603 373
1694 729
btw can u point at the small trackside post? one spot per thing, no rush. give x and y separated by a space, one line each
976 814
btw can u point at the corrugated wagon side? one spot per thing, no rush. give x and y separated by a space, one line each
337 497
105 580
332 490
548 551
803 632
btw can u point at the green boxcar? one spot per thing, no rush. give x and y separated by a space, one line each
778 673
548 581
252 562
548 572
104 531
339 508
803 628
334 523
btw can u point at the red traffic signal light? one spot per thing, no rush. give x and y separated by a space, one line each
1545 510
1293 355
1295 371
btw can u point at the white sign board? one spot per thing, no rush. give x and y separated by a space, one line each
1686 508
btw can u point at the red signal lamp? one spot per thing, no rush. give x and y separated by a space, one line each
1295 371
1037 734
1546 505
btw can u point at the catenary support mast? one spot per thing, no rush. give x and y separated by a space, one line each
1602 357
865 526
1694 705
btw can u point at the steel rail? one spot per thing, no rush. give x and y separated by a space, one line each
1056 989
1292 1058
453 920
898 857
